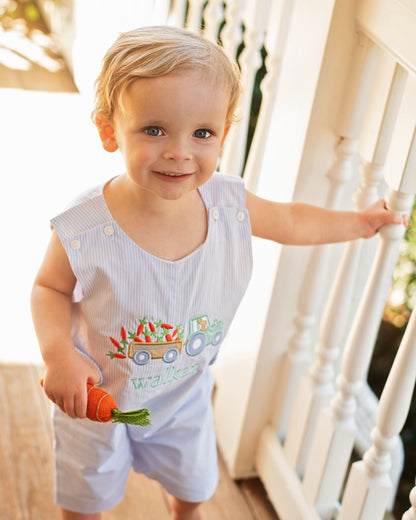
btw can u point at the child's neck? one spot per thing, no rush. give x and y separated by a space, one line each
168 229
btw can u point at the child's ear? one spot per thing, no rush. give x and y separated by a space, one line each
107 134
227 129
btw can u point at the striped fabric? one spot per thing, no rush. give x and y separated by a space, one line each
167 318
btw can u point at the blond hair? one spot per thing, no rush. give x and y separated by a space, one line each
155 51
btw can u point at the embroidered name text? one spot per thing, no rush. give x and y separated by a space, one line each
170 375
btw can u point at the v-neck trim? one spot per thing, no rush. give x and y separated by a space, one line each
198 250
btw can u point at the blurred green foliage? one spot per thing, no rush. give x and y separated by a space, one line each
403 294
14 9
408 257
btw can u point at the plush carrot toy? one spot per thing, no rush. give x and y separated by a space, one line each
102 407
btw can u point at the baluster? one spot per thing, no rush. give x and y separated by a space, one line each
369 486
213 16
401 162
194 17
334 437
250 61
410 514
317 388
298 356
275 41
232 33
366 409
177 13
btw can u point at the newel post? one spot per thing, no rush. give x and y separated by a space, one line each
239 422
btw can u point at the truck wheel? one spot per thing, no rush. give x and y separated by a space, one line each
170 355
142 357
196 344
217 338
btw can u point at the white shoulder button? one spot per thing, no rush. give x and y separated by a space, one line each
108 230
215 214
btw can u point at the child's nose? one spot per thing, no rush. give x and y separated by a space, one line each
178 149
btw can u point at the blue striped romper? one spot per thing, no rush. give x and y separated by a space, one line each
151 327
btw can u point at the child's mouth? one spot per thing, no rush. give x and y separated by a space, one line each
173 174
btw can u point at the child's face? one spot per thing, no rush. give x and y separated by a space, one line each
170 132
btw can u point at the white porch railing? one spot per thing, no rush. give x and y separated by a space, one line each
339 97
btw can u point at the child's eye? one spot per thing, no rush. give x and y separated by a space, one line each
202 133
153 131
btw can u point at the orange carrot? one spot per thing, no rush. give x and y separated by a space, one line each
102 407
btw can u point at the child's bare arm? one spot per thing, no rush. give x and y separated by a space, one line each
66 371
304 224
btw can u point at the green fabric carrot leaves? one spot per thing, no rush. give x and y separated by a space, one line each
102 407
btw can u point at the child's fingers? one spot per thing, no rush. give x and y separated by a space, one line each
396 218
74 405
68 405
93 378
80 404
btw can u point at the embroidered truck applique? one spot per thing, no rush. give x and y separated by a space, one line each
158 340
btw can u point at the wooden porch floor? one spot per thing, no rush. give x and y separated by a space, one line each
26 477
26 474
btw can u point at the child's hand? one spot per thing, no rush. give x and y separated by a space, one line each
65 383
377 215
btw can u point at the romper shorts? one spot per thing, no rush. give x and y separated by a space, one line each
93 460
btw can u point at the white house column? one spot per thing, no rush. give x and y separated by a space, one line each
254 378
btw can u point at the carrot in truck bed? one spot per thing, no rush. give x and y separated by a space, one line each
102 407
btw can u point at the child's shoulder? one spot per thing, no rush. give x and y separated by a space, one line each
224 190
88 195
218 178
86 211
